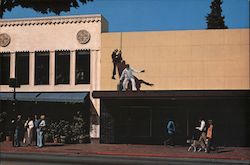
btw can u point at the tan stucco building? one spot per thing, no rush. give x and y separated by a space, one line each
50 35
182 60
189 60
196 74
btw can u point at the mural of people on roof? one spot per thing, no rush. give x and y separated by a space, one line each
128 82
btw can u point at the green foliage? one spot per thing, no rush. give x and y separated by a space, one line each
2 120
72 130
42 6
215 20
78 127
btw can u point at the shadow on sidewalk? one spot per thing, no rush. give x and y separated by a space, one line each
53 145
223 151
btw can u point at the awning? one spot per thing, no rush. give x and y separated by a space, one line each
19 96
62 97
78 97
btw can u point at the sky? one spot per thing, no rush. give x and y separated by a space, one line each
153 15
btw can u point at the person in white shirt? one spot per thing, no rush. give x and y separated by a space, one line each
127 75
40 134
202 125
28 125
202 129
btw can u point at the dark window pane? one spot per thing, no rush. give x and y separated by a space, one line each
62 67
4 68
22 67
41 68
82 67
140 123
134 123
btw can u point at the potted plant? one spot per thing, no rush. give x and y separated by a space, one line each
48 137
56 139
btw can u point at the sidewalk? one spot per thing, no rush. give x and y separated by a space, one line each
227 153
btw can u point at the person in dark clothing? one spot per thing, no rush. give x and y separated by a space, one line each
17 131
36 124
170 130
116 58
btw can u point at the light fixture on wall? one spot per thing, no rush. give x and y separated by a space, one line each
14 84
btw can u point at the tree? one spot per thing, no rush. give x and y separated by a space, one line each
43 6
215 20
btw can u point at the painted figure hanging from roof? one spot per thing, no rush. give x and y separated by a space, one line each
128 81
116 59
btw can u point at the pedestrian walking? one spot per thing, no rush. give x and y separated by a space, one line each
209 135
170 130
17 131
28 125
36 129
202 129
40 133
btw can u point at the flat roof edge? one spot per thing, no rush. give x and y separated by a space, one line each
171 93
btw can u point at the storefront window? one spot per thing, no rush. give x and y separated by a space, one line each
41 68
82 67
62 67
131 123
4 68
22 67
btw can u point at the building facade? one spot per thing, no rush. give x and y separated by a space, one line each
188 74
54 54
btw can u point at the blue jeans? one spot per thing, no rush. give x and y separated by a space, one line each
16 140
39 138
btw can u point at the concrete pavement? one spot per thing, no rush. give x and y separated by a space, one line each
119 154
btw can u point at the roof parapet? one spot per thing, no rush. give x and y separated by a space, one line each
51 20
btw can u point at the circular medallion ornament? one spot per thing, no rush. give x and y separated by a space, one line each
83 36
4 39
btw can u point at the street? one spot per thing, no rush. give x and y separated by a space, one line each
43 159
